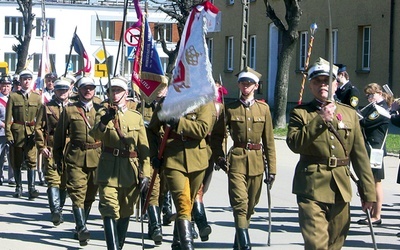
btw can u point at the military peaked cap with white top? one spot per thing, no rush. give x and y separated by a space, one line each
248 75
119 81
84 80
62 83
26 73
321 68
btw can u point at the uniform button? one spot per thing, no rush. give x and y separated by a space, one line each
237 118
249 129
332 137
333 146
248 118
320 126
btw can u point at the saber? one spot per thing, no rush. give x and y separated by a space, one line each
371 228
269 207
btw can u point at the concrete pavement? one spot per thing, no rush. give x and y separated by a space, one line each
26 224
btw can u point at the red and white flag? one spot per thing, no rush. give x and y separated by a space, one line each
192 84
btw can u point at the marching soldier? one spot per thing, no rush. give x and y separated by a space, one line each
153 211
125 156
327 136
250 125
47 120
21 112
81 154
346 92
185 160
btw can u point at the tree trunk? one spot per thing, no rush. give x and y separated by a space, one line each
282 80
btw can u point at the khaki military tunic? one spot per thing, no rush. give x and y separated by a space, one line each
121 161
185 156
320 181
21 112
249 126
47 119
82 153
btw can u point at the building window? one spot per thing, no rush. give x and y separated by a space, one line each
13 26
165 29
210 46
50 27
366 48
252 52
38 57
303 49
11 59
108 29
231 2
229 53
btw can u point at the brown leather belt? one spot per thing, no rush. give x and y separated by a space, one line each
25 123
331 161
173 135
248 146
120 152
85 146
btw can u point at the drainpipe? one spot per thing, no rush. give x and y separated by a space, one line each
391 26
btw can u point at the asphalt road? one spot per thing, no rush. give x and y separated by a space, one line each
26 224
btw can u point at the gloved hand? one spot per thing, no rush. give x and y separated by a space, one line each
270 180
173 123
10 143
144 184
221 164
156 163
108 116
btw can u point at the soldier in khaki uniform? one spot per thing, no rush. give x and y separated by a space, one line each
47 120
250 125
153 211
81 155
125 156
185 160
321 181
21 111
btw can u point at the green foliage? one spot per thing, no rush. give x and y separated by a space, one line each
392 140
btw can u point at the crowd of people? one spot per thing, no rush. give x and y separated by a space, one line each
119 150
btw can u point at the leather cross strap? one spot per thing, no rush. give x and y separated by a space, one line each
334 131
80 110
119 132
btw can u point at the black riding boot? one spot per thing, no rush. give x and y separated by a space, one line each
176 244
195 235
167 209
243 238
122 228
63 197
154 223
33 193
199 216
53 194
110 233
18 183
87 212
80 222
235 243
185 234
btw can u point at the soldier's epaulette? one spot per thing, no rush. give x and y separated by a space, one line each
262 101
136 112
344 104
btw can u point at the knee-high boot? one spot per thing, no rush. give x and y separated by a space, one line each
122 228
110 233
154 223
243 238
168 216
199 216
176 244
63 197
18 183
53 194
185 234
33 193
80 222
